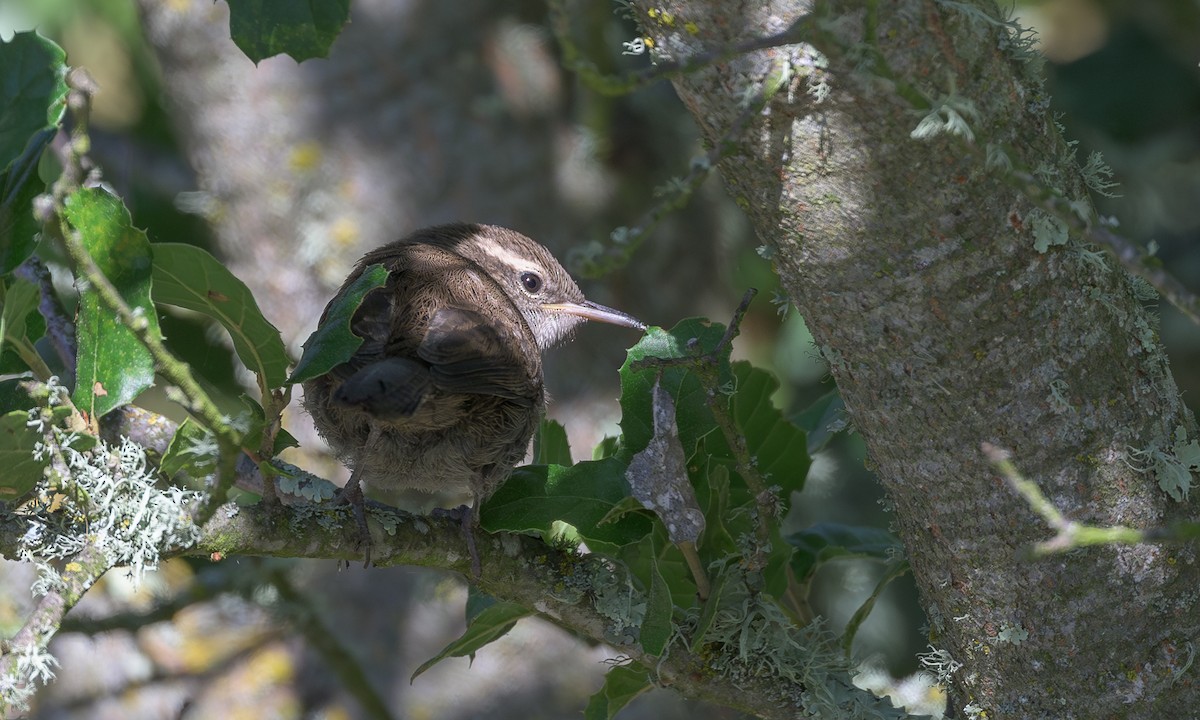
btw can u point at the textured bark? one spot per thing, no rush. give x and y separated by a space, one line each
914 265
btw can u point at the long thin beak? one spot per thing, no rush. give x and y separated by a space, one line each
593 311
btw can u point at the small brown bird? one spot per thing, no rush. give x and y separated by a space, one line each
446 390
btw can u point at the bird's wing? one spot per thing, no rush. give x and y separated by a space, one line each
470 354
389 388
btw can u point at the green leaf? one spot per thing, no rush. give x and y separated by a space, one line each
14 395
607 447
656 627
822 420
621 685
20 324
333 342
711 607
33 92
17 442
896 569
687 339
253 436
491 624
825 541
713 496
114 366
192 451
263 28
777 446
189 277
20 184
654 557
582 495
550 446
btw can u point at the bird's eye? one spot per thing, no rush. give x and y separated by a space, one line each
532 282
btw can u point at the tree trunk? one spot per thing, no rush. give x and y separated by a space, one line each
914 263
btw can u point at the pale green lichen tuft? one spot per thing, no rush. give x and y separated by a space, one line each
1048 230
1172 466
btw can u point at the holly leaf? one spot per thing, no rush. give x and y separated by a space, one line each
821 420
190 277
489 625
113 365
263 28
776 445
582 495
688 338
18 441
621 685
656 626
550 446
333 342
33 93
823 542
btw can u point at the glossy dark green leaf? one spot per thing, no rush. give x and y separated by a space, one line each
20 325
607 447
491 624
621 685
821 420
189 277
825 541
687 339
113 365
301 28
19 185
776 445
656 627
17 442
33 92
536 496
333 343
550 446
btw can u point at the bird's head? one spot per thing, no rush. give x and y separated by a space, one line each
536 283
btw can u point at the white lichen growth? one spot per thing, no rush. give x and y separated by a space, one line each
1098 176
1172 466
948 115
103 498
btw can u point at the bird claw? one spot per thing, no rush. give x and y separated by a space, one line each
465 516
352 495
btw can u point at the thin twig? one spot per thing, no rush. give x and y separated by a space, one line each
627 240
1069 534
196 400
621 85
73 581
60 328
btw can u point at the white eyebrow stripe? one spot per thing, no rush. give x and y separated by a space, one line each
495 250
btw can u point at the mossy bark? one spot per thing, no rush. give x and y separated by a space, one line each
914 263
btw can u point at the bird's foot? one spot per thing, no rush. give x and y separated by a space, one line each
466 517
352 495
